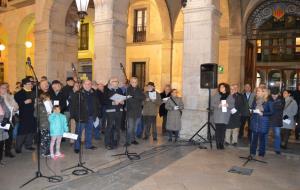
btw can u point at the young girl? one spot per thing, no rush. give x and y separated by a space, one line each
58 125
174 105
262 109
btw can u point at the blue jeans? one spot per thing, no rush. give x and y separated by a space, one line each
261 138
97 130
131 129
277 138
88 133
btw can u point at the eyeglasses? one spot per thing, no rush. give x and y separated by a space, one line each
114 81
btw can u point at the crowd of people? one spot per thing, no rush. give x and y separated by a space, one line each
83 106
88 107
263 109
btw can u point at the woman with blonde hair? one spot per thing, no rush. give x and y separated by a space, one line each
261 111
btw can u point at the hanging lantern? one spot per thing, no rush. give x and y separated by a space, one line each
82 6
28 44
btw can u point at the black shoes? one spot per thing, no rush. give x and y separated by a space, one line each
155 139
108 147
9 154
76 151
18 151
135 142
92 148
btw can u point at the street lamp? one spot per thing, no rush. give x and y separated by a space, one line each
2 48
82 6
28 44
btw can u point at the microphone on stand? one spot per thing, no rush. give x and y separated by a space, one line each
73 67
28 62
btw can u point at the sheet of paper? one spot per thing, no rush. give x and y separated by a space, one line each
48 106
257 111
223 103
70 136
152 95
56 102
165 99
118 97
233 111
96 122
287 121
6 127
176 107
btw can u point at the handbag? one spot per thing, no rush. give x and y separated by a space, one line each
176 105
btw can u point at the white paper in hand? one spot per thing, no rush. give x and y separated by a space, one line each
152 95
118 98
48 105
233 111
56 103
6 127
224 108
165 99
257 111
70 136
287 121
176 107
96 122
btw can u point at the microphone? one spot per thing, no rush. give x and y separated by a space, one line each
28 62
121 65
73 67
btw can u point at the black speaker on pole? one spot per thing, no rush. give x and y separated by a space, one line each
209 75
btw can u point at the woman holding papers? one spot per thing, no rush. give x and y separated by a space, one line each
174 105
261 111
289 112
4 115
222 103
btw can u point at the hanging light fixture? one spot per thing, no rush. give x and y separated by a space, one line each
28 44
82 6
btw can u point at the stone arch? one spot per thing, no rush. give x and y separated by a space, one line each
26 26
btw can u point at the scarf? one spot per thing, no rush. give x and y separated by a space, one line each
223 96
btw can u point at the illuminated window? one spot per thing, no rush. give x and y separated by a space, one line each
258 44
140 23
298 45
84 37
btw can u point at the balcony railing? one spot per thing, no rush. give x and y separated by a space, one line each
139 34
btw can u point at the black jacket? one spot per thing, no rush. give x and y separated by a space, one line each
60 98
108 103
134 104
162 109
239 104
275 119
84 112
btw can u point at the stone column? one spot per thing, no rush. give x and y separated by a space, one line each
110 49
201 40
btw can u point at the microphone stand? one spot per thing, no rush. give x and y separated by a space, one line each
38 173
84 170
130 155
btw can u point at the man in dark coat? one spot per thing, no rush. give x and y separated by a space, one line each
113 111
162 110
89 111
27 128
57 96
134 109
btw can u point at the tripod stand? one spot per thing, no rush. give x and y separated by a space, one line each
133 155
38 173
208 124
84 170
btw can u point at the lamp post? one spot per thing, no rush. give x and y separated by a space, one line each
82 6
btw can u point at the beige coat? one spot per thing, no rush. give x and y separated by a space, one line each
150 107
174 116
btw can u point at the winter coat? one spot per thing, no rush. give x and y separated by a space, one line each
108 103
290 110
249 101
239 105
174 116
84 109
135 104
220 117
162 108
276 118
261 123
150 107
4 133
43 114
58 124
60 98
27 120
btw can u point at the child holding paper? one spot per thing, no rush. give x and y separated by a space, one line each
58 126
